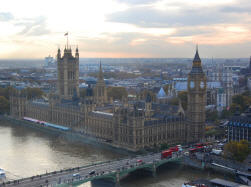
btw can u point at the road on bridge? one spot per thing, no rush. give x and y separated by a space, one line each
81 173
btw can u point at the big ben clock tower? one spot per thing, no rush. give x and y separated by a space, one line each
196 95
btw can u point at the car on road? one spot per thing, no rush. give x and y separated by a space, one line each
92 172
76 175
186 153
139 161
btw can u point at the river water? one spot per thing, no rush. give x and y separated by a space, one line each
25 152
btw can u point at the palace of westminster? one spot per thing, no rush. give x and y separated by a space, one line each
132 125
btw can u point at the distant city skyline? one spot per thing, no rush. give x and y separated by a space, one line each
126 28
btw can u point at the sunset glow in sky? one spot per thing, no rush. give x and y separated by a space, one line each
126 28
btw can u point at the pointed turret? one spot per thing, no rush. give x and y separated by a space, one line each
148 98
76 53
100 89
100 74
161 94
196 57
59 53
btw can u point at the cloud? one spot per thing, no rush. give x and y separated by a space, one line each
234 9
187 14
33 27
241 6
137 1
190 31
6 16
156 18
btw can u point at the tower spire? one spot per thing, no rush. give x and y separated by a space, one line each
197 68
197 57
100 75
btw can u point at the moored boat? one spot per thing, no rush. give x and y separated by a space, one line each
197 183
2 174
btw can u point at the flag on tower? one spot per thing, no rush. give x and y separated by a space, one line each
66 34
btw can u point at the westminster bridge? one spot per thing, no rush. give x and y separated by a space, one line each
110 170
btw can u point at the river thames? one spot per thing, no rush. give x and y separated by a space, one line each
26 152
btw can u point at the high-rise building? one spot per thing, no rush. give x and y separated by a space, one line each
196 101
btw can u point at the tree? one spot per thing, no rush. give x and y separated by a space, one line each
4 105
215 131
246 93
226 114
82 92
117 93
237 150
239 100
6 92
211 115
33 92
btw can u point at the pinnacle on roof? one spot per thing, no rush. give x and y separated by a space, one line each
148 98
196 68
161 93
100 75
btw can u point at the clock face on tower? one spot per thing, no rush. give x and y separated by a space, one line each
202 85
191 84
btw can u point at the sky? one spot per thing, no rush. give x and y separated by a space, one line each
126 28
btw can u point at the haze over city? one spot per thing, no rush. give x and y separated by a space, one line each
126 28
125 93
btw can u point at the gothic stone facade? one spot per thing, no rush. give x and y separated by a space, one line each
196 101
131 125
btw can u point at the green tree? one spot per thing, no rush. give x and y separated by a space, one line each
239 100
117 93
226 114
235 108
217 132
82 92
4 105
211 115
6 92
246 93
33 92
237 150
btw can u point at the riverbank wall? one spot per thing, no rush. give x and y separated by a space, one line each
70 135
199 164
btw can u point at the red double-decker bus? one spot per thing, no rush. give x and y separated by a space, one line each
166 154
